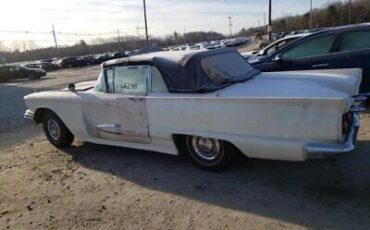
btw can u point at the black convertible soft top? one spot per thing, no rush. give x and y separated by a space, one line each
184 71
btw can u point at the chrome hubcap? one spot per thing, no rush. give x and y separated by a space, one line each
54 129
206 148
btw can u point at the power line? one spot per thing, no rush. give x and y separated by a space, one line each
61 38
23 32
86 34
43 40
57 32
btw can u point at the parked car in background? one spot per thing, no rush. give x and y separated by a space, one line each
204 45
10 72
115 55
48 60
210 45
47 66
333 48
207 104
71 62
234 42
100 58
214 45
197 46
32 65
179 48
271 48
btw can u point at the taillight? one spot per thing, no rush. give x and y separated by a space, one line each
346 121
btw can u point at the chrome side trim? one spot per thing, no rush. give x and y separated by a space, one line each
29 114
357 109
361 103
320 151
110 128
360 98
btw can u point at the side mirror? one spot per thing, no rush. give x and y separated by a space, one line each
277 58
72 87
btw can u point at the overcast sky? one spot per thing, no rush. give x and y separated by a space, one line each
164 16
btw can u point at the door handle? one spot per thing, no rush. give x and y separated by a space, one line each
135 99
320 65
138 98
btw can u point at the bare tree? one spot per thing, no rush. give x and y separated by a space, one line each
2 47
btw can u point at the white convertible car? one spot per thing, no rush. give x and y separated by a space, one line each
208 104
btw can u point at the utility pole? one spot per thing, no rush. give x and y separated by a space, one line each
118 37
55 38
350 12
311 16
146 25
269 29
230 27
264 23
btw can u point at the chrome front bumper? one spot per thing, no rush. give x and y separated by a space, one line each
28 114
319 151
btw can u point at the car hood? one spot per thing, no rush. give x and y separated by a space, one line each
255 58
250 53
84 85
299 84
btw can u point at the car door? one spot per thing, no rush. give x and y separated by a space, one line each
118 112
313 53
16 72
354 52
4 73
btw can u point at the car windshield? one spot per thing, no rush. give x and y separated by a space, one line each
227 68
276 46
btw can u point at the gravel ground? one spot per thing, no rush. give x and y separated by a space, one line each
91 186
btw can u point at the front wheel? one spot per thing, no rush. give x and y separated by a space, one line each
56 132
208 153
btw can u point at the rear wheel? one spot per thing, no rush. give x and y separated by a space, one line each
208 153
56 132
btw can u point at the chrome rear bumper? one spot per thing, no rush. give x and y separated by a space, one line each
319 151
28 114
